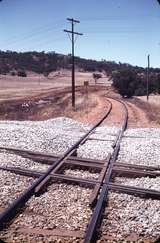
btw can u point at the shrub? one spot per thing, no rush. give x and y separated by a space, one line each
13 73
125 82
22 74
96 76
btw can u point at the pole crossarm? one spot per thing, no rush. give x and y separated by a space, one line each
76 33
73 20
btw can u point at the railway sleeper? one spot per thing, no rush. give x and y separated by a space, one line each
50 159
140 192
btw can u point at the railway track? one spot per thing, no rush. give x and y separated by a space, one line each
106 169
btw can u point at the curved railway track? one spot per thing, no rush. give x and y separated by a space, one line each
107 169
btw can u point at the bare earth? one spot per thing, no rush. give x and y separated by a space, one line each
39 98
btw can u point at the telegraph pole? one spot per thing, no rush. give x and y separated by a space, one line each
148 59
73 33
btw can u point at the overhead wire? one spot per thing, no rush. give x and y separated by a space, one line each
33 34
37 32
48 41
50 28
40 43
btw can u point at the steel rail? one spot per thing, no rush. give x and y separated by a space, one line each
91 230
12 210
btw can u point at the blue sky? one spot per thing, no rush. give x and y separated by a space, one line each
118 30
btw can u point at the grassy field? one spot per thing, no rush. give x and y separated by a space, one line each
153 99
18 87
154 102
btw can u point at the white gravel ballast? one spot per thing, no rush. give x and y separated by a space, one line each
67 206
54 135
11 187
127 215
141 146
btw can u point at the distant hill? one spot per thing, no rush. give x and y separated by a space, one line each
127 79
41 62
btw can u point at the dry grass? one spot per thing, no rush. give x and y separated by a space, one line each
32 85
152 106
86 105
54 91
153 99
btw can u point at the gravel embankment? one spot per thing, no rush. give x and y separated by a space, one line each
66 206
54 136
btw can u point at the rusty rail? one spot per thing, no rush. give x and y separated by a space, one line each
12 210
101 186
91 231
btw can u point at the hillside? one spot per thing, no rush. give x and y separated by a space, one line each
41 62
127 79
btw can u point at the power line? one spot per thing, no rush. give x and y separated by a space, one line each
34 33
73 22
47 42
41 43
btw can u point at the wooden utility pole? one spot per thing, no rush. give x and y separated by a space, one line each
73 22
148 59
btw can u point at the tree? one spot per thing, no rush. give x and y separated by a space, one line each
96 76
22 73
46 74
13 73
125 82
158 83
47 71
